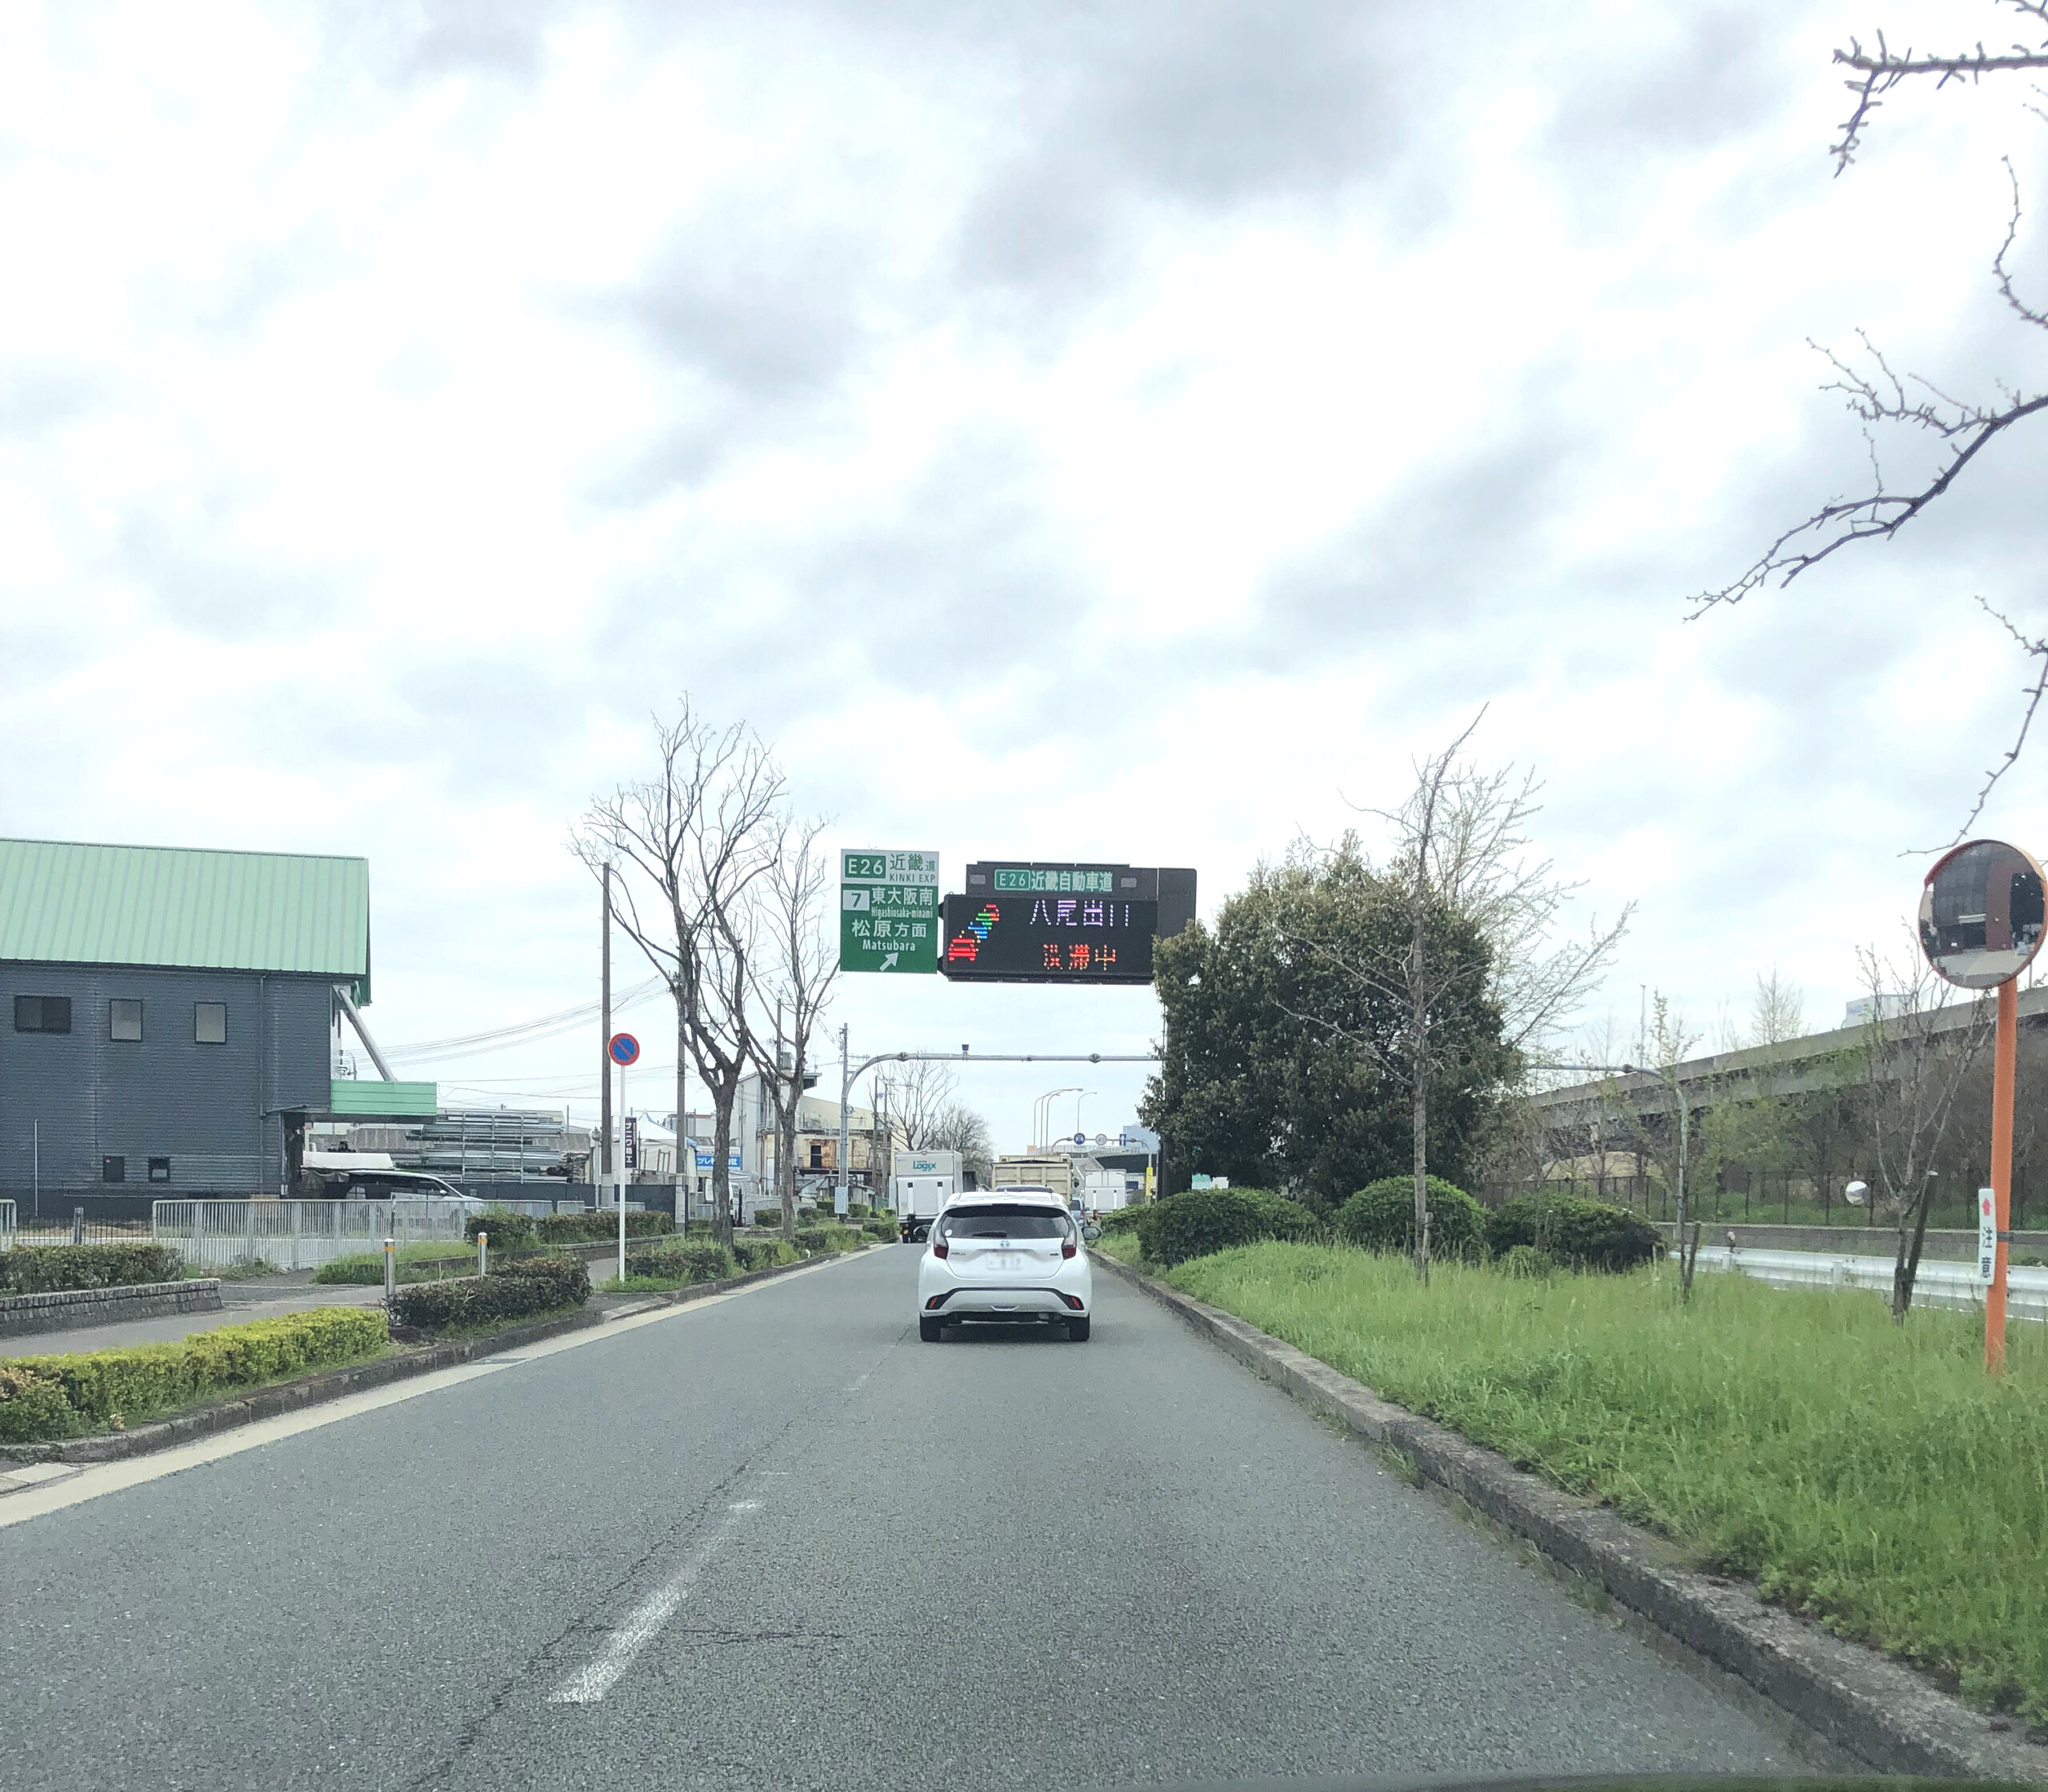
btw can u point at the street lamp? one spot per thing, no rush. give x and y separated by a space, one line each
1080 1097
1042 1116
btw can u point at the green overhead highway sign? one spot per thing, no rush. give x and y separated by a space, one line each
888 911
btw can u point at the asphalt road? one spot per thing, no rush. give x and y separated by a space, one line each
777 1542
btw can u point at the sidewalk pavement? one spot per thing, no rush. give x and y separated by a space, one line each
261 1298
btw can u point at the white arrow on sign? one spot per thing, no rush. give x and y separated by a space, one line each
888 961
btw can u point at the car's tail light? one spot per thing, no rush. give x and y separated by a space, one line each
1073 1301
1068 1247
938 1247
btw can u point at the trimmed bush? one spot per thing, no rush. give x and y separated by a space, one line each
883 1229
1586 1235
528 1286
1123 1219
768 1217
857 1209
52 1268
508 1230
762 1254
1204 1221
117 1387
692 1262
591 1226
33 1406
1381 1216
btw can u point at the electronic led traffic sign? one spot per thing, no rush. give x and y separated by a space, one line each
1051 939
1037 923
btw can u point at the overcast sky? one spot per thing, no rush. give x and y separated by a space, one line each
1125 432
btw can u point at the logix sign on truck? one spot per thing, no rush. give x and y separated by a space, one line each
924 1182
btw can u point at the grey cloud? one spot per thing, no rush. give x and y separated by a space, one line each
1441 554
206 580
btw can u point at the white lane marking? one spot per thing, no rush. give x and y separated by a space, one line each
94 1479
589 1683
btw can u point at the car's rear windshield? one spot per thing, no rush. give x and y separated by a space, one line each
1003 1222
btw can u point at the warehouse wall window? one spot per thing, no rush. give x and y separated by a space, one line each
124 1019
42 1014
209 1023
159 1170
113 1169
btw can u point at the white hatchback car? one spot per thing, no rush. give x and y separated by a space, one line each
1013 1256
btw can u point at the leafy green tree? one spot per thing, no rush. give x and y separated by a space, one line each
1280 1069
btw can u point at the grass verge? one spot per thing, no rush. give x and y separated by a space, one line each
1864 1474
427 1262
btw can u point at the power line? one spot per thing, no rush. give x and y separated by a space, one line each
523 1032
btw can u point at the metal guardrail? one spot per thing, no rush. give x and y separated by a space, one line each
1938 1284
297 1234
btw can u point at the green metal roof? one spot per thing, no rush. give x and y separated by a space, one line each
63 902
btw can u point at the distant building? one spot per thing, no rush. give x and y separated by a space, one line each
167 1018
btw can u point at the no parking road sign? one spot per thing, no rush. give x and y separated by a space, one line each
624 1048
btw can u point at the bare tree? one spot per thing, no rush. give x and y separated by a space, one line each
1914 1066
957 1127
1668 1044
1461 852
795 971
689 845
1881 399
920 1092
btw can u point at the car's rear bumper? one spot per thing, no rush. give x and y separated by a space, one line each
950 1304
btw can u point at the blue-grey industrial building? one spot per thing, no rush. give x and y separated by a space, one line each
166 1019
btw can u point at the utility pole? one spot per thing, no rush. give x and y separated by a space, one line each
602 1170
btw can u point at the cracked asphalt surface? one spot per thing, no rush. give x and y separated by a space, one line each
857 1561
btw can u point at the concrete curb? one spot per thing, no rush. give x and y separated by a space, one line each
1878 1710
335 1384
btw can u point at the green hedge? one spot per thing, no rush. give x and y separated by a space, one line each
1123 1219
692 1262
883 1229
768 1217
508 1230
1587 1235
59 1396
1202 1221
52 1268
811 1240
594 1224
529 1285
1381 1216
763 1254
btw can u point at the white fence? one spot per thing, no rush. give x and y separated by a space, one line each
1938 1283
297 1234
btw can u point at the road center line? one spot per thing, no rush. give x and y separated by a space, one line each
590 1682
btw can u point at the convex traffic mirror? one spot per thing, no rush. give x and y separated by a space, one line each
1982 914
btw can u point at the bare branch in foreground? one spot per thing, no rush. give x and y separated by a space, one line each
1882 71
